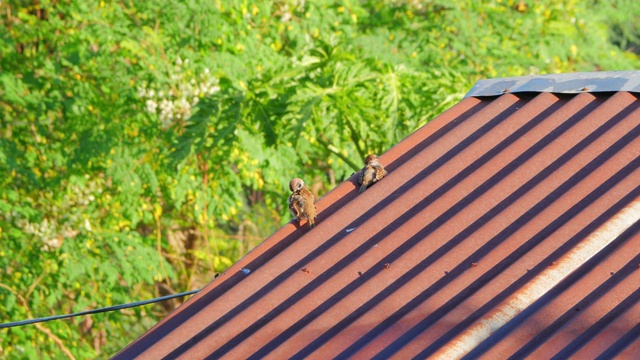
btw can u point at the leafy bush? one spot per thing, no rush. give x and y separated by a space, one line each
146 145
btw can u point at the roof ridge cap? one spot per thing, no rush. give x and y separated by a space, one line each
567 83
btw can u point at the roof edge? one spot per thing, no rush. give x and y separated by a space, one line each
571 83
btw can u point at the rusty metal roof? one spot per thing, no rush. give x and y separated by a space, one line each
507 227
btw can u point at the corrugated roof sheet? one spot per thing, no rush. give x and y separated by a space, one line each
507 227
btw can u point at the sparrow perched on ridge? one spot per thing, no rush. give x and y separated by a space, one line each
302 203
372 172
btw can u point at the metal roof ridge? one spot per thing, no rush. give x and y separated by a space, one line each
569 83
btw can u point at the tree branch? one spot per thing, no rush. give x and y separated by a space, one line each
336 152
43 329
355 138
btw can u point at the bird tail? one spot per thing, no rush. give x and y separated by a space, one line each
363 187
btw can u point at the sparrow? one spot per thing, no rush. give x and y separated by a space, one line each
372 172
302 203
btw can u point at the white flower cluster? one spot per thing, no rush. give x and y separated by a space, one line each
47 231
174 103
64 220
415 4
286 9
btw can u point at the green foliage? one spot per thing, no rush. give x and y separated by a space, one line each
622 19
146 145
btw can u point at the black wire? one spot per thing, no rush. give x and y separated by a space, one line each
96 311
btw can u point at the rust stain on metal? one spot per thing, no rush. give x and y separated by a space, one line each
541 284
540 188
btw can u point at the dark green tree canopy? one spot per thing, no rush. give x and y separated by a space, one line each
147 145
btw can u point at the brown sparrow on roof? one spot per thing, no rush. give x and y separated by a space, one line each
302 203
372 172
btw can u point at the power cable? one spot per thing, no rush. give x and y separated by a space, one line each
96 311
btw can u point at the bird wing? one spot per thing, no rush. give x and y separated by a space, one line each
310 204
368 175
294 205
380 172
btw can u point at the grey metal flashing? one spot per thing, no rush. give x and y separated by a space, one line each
572 83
